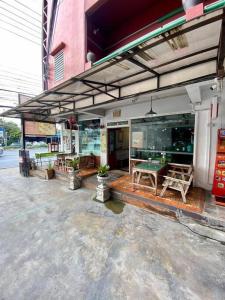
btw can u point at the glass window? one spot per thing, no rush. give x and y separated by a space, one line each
172 135
89 137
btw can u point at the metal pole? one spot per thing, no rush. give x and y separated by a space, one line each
23 133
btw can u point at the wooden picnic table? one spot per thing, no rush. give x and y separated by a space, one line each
152 170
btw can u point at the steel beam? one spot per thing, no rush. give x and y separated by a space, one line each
98 89
143 66
221 50
100 83
71 94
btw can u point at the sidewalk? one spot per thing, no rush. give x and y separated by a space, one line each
60 244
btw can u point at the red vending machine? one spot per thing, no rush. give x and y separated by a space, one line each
219 174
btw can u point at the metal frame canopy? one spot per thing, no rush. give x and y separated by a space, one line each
175 54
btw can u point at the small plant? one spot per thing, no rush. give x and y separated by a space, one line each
103 170
50 172
50 165
74 164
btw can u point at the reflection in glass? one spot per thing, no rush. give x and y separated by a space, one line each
170 137
89 137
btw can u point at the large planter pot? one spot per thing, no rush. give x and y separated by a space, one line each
49 174
74 179
190 3
102 189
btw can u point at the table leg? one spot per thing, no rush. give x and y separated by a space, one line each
151 181
139 177
133 180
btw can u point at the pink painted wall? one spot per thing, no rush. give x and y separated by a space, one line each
69 29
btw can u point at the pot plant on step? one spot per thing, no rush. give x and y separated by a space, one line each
102 189
49 172
73 170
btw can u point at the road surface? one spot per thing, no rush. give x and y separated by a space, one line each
10 158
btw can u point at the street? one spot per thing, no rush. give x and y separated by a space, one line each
61 244
10 158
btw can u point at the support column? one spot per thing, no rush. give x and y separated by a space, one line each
23 134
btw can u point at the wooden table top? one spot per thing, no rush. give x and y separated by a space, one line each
150 167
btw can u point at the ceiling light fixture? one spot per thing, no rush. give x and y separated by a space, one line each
151 112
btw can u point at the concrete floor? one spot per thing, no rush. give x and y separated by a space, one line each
60 244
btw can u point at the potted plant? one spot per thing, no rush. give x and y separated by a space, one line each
74 164
102 189
73 170
49 172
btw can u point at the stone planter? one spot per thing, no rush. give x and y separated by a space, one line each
102 189
190 3
49 174
74 179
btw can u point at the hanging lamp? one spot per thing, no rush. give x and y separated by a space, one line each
151 112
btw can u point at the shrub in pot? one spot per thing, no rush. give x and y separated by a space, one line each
102 189
49 172
73 170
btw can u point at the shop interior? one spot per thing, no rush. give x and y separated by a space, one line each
170 137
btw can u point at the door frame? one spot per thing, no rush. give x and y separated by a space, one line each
128 125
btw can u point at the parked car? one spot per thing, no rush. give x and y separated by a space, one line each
1 151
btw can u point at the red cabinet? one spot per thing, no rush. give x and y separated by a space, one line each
219 173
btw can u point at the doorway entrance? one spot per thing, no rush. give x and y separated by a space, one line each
118 148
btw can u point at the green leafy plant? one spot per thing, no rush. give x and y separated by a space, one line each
50 165
74 163
103 170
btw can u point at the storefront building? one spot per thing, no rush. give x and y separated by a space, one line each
155 93
180 131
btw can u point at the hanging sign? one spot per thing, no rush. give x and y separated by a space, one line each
39 129
117 113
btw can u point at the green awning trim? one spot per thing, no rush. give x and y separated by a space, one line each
178 22
170 14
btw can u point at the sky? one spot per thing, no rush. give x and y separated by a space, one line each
20 50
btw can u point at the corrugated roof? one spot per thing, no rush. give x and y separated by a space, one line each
178 53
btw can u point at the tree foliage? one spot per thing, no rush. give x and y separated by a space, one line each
13 131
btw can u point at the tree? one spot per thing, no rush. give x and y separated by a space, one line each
13 131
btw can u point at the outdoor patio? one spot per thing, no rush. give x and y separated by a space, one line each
195 197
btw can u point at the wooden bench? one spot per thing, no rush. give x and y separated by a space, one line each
178 180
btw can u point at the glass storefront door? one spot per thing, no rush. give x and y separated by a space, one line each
118 148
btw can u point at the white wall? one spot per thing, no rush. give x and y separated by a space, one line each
161 106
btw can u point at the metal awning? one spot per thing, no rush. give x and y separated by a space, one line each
175 54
